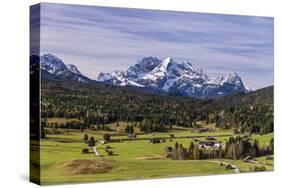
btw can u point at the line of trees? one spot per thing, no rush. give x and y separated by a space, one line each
235 148
253 119
239 148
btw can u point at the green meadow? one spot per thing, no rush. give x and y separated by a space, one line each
134 159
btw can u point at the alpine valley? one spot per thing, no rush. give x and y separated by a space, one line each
132 94
155 119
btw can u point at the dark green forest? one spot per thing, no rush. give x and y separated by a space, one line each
101 104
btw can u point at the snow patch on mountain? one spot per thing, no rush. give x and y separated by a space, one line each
73 69
56 67
52 64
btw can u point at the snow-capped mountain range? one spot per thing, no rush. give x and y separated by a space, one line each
168 75
178 77
53 66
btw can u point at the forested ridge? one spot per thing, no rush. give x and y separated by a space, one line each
100 104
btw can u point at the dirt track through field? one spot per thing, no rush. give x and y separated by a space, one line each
95 148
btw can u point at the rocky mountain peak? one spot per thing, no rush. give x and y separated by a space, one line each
175 77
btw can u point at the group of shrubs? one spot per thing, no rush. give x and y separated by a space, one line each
156 140
108 150
91 142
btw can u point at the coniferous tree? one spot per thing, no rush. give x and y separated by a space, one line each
91 142
106 137
255 148
82 128
131 129
127 129
271 146
42 132
42 129
191 150
85 138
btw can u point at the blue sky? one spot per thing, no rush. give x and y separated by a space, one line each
100 39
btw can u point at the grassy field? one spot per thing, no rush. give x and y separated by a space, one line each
130 157
126 162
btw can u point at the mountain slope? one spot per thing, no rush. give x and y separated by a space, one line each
73 69
54 68
174 77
